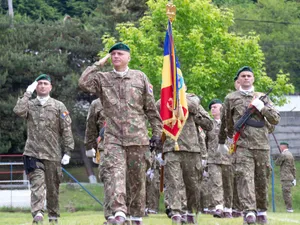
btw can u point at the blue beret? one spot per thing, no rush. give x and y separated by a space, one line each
244 68
43 77
119 46
214 101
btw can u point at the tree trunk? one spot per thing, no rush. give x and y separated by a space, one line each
11 13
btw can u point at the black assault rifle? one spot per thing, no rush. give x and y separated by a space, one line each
246 118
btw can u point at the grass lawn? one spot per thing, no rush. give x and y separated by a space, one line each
96 218
77 207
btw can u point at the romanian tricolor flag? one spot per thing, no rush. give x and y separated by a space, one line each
173 109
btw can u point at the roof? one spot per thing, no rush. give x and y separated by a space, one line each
292 105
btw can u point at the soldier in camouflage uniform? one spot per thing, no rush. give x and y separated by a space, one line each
205 187
94 123
127 98
219 168
153 185
237 210
186 163
252 147
287 174
48 132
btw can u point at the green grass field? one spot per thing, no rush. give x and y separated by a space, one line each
77 207
96 218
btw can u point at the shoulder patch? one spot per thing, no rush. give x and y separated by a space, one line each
150 89
64 114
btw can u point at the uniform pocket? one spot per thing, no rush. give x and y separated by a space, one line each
110 96
135 95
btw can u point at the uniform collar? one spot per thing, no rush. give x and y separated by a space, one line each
247 92
122 74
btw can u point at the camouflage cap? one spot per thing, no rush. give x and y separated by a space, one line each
284 143
244 68
119 46
214 101
43 77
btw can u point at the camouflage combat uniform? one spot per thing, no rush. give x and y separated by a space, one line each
48 127
220 172
205 189
152 187
127 101
287 175
185 164
94 123
252 165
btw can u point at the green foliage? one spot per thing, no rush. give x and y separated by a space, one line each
277 22
208 53
58 49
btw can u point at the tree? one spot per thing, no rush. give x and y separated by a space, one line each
208 53
277 22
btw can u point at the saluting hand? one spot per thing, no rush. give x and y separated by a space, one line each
102 61
31 88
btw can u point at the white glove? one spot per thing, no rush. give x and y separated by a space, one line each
160 160
150 173
223 149
65 160
203 162
258 104
230 140
294 182
90 153
31 88
205 174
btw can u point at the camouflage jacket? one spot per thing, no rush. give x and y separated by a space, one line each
212 141
48 128
189 138
94 123
126 101
287 166
203 148
235 105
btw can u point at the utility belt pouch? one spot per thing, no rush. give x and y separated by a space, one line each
32 163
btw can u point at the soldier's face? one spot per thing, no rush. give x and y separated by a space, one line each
43 88
120 59
246 79
216 109
283 147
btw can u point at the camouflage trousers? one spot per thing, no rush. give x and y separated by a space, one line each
252 177
286 186
152 190
236 205
45 185
186 167
220 185
205 195
126 183
181 193
105 178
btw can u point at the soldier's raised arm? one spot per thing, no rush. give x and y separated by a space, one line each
89 81
22 106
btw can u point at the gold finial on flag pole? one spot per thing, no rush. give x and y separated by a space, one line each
171 11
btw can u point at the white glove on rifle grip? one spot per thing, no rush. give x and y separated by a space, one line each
90 153
222 148
31 88
258 104
65 160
